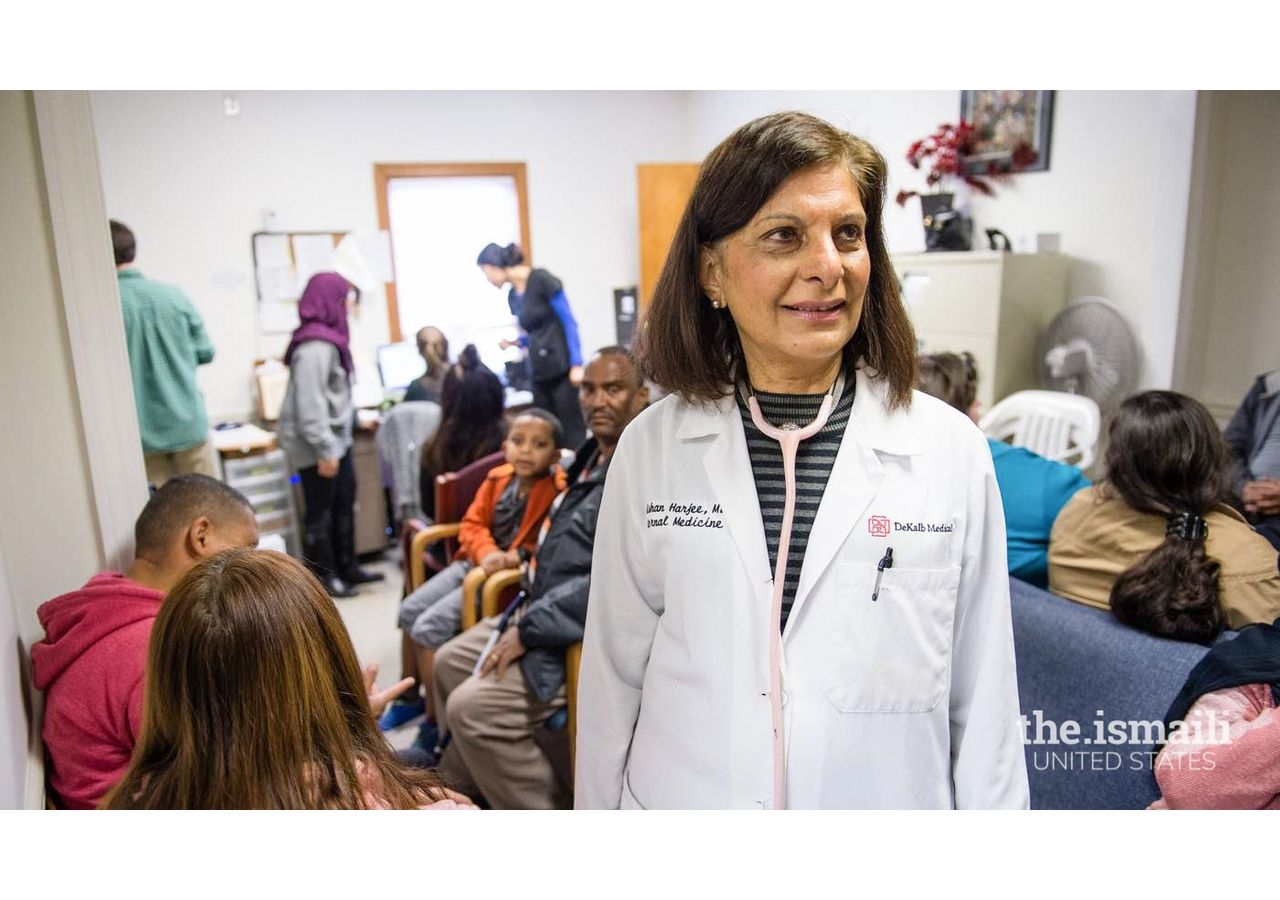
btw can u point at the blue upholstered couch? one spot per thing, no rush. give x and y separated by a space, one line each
1079 664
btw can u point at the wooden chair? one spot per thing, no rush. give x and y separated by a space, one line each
572 663
557 739
495 593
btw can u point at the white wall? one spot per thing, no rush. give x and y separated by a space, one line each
13 735
1116 188
1235 290
49 536
193 184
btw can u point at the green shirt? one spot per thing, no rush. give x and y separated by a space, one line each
166 342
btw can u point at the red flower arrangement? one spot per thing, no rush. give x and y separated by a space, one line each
949 148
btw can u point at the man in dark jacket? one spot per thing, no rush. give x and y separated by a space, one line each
1253 437
492 717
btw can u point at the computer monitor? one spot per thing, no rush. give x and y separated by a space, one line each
399 364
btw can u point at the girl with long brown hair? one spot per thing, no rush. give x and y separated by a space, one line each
254 700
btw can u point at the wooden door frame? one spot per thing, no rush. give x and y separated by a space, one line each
384 172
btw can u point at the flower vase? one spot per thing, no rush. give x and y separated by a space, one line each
945 228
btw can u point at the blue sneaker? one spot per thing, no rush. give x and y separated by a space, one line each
398 712
427 742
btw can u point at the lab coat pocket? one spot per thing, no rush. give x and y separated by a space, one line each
893 653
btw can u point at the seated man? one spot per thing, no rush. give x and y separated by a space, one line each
492 716
1032 489
91 661
1253 437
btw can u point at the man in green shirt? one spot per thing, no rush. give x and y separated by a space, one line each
166 340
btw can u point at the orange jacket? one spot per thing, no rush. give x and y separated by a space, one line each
476 541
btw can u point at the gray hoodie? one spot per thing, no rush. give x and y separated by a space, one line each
318 412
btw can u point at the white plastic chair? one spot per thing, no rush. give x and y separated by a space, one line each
1058 426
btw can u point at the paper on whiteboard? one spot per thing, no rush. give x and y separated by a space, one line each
276 316
277 283
376 247
271 251
312 253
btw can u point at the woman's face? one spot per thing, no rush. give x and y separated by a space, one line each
795 276
496 274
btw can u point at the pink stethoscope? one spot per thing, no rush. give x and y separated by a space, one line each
788 437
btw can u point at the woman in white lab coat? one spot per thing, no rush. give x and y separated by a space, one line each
872 664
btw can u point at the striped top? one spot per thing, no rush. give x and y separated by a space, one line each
814 460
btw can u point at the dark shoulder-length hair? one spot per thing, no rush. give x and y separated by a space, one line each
473 422
1165 457
254 700
687 347
951 377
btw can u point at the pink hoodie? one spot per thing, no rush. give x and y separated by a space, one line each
1226 756
90 666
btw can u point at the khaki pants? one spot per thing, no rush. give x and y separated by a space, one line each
198 459
492 721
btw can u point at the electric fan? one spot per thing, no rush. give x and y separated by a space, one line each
1089 349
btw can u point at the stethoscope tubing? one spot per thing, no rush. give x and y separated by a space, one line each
789 440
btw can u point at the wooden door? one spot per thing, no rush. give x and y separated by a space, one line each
664 190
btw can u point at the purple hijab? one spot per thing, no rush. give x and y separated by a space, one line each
323 313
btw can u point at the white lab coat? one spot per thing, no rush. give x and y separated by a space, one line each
909 701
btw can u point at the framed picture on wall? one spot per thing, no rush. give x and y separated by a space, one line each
1003 119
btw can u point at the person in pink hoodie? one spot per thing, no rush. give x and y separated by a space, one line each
90 663
1224 728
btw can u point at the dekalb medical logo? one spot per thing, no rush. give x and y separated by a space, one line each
879 526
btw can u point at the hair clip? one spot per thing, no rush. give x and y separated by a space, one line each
1186 526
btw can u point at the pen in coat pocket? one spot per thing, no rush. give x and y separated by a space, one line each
886 562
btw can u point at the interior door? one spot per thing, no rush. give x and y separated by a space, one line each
664 190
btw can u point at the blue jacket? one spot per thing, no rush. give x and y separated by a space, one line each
1250 426
1032 491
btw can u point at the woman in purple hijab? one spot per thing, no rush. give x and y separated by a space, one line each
315 429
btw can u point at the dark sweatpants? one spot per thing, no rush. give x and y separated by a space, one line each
329 523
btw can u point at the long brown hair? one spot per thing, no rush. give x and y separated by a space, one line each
688 348
1165 456
254 700
472 421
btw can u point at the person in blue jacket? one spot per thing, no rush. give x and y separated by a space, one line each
550 333
1253 439
1032 489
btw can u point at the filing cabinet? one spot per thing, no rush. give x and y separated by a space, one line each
993 304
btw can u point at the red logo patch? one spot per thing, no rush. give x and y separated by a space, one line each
878 526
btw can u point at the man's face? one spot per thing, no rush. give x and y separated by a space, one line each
611 395
431 345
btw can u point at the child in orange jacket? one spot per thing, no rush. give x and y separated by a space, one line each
503 519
